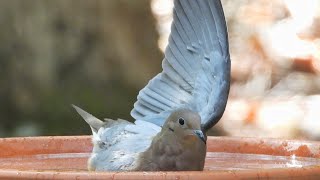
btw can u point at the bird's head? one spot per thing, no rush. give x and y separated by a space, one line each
186 124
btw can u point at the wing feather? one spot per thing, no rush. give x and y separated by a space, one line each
196 66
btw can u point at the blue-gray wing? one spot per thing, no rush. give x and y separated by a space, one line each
196 66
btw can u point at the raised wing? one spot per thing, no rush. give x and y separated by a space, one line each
196 66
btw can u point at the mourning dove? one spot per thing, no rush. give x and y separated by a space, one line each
177 106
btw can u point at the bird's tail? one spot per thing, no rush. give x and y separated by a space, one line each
94 123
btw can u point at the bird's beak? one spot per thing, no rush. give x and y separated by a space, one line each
200 135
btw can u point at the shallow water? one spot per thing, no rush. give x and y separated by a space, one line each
215 161
238 161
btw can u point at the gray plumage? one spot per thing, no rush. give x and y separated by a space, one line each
193 86
196 67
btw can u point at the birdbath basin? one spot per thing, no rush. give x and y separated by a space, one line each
65 157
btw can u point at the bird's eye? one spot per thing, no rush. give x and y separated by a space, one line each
181 121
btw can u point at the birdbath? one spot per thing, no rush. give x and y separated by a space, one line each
65 157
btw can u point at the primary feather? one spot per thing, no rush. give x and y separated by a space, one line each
196 66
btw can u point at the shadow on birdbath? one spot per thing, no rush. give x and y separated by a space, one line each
65 157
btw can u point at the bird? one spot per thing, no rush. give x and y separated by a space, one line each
177 107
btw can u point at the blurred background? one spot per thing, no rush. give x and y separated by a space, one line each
98 54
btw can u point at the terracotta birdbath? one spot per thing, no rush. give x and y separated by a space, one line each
64 157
